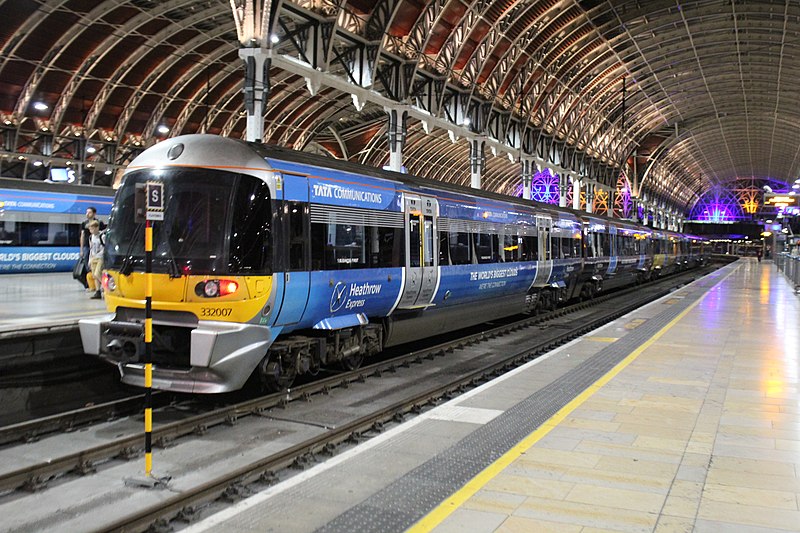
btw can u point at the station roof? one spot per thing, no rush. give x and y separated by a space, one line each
680 96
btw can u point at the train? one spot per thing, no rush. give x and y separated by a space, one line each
270 264
40 223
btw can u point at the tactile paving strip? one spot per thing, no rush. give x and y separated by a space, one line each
404 502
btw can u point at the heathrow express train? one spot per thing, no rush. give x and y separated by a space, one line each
273 263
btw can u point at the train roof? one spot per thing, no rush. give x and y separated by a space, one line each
286 154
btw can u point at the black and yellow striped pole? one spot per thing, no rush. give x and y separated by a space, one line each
149 206
148 348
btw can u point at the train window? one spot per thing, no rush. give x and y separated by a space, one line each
556 242
250 227
428 243
337 246
576 247
600 244
348 246
415 241
548 251
510 248
485 247
567 248
444 248
590 250
14 233
296 217
529 245
390 247
460 248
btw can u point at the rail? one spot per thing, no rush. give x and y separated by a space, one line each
789 265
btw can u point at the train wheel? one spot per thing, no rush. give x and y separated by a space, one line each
552 300
352 362
275 376
587 292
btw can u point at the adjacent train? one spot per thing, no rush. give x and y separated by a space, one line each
271 263
40 223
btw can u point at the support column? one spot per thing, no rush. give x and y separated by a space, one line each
576 192
612 193
563 183
256 90
396 131
528 171
590 197
476 162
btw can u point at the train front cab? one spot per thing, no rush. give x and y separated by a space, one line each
213 290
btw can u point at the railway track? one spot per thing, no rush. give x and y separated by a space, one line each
552 329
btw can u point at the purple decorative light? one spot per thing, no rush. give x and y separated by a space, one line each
544 187
718 205
723 204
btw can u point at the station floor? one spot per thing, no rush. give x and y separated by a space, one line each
681 416
33 301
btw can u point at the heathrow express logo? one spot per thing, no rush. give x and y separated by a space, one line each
338 297
352 296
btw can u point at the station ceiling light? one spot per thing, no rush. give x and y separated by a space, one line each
163 129
40 106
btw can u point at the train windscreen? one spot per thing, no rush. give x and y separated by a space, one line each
215 222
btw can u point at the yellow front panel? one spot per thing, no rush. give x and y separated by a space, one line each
178 294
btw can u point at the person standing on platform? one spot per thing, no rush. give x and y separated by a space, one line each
96 246
91 215
759 253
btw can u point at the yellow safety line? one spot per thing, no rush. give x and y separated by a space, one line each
447 507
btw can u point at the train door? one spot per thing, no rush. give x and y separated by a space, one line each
544 268
293 245
422 256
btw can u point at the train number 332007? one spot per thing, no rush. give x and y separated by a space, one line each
215 311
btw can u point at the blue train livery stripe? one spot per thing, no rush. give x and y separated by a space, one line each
469 283
372 292
466 208
52 202
29 259
343 189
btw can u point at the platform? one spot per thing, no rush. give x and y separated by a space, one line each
683 415
33 301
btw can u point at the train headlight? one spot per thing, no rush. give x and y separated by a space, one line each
215 287
211 289
108 282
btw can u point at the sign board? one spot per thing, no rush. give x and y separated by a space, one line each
154 195
780 200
